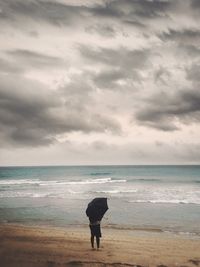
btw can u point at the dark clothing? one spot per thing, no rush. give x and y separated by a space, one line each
95 230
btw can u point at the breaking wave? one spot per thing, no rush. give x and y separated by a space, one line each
85 182
55 182
100 173
167 201
19 182
121 191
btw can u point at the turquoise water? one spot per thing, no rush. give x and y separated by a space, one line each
163 198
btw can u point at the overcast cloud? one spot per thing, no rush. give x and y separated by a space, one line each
99 82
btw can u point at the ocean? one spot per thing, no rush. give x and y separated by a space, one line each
152 198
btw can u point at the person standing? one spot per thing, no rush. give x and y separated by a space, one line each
95 229
95 212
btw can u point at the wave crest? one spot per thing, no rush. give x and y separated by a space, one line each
85 182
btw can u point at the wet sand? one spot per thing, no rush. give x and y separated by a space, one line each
24 246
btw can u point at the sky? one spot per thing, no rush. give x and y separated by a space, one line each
94 82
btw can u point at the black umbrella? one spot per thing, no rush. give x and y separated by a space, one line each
97 208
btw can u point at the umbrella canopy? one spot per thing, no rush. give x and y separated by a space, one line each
97 208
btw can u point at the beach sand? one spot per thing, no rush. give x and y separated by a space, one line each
24 246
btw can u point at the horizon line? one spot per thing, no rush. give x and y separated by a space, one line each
100 165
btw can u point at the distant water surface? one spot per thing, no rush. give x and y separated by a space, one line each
161 198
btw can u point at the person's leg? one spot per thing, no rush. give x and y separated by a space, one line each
92 241
98 241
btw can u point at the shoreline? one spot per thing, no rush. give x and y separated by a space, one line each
133 229
31 246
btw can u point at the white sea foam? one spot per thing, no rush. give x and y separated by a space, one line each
166 201
56 182
116 188
115 191
21 194
84 182
33 194
29 195
18 182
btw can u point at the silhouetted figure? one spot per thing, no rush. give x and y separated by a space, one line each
95 212
95 229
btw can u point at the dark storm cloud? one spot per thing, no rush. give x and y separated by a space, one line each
193 73
19 61
135 23
122 57
31 118
103 30
59 14
108 10
119 64
30 115
186 40
190 50
34 59
182 36
195 3
110 79
162 111
131 8
49 11
161 74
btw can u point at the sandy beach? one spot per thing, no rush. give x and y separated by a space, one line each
26 246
